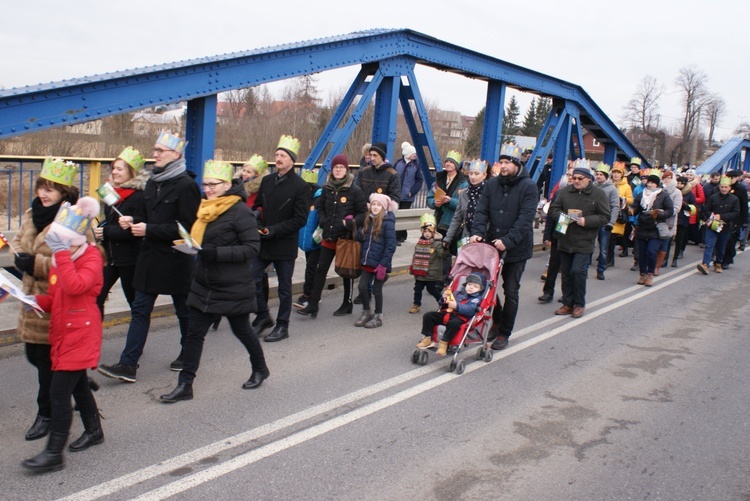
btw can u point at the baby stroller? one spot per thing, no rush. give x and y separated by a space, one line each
478 258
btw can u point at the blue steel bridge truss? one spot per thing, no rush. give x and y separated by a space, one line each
387 59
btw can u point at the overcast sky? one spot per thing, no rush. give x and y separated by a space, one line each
605 46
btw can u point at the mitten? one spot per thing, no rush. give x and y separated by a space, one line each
56 243
380 272
25 262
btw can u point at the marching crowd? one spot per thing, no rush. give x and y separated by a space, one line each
212 251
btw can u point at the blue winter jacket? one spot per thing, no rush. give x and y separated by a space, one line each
379 250
410 175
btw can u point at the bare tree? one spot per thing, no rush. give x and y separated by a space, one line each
716 108
743 130
692 83
643 108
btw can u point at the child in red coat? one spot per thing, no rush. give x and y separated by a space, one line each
75 332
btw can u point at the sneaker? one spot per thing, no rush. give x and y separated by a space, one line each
500 343
119 371
703 268
426 342
301 301
414 308
176 365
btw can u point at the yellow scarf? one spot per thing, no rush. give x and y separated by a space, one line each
209 211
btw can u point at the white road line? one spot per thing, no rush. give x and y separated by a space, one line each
186 483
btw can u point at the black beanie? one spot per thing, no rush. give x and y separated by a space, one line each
379 148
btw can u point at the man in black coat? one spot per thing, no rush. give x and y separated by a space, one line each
282 203
739 191
504 217
171 195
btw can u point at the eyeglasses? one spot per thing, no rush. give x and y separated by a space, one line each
211 186
577 178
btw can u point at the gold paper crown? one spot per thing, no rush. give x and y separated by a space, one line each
132 157
169 140
602 167
427 221
257 163
510 150
73 218
655 172
213 169
289 143
479 165
309 176
58 171
725 180
455 156
636 161
582 163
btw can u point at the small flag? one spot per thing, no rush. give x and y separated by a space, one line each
108 194
3 241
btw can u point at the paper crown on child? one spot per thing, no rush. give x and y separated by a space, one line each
454 157
636 161
478 165
511 152
725 181
257 163
132 157
213 169
290 145
171 141
58 171
385 201
427 221
309 176
73 221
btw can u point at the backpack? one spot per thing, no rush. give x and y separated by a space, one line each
310 235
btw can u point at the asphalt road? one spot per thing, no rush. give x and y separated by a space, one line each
645 397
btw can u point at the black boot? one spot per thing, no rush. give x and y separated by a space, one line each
344 309
92 435
310 310
256 379
39 429
624 252
674 262
183 391
51 458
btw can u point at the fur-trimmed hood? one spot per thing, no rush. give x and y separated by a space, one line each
137 183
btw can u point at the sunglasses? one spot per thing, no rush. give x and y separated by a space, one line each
577 178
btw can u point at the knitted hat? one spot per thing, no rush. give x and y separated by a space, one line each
473 278
340 159
682 179
379 148
583 171
733 173
385 201
653 178
73 221
290 145
407 149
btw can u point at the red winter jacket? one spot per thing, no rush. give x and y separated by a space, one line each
75 327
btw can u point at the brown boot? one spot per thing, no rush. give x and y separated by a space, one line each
717 268
660 255
649 280
442 348
642 280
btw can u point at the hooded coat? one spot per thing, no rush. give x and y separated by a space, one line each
380 249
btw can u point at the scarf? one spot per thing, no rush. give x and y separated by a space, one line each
649 195
124 193
43 216
169 171
337 184
420 262
208 211
474 192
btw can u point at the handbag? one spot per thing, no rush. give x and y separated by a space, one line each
348 262
664 231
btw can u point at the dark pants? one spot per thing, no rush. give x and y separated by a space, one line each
680 241
432 319
377 291
604 236
38 356
434 289
193 343
504 315
574 269
611 250
647 250
321 273
111 274
553 268
284 270
715 243
140 323
401 234
731 247
65 384
694 233
311 264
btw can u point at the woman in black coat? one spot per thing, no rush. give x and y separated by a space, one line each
227 232
341 205
128 178
652 206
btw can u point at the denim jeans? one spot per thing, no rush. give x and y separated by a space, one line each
284 270
140 322
604 236
647 250
715 241
574 270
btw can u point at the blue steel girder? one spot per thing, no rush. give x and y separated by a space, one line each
492 130
386 113
410 92
200 133
728 157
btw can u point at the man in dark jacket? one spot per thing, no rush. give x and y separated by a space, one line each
738 190
170 195
380 176
504 217
283 201
721 210
584 209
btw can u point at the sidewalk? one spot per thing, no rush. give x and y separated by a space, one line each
117 310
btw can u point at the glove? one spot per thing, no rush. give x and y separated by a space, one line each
446 244
608 228
208 254
25 262
56 243
380 272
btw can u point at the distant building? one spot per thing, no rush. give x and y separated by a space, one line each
150 124
93 128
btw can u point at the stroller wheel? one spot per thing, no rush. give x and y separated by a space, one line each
452 366
488 356
423 357
480 354
461 367
415 356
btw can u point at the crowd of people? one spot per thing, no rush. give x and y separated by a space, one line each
211 246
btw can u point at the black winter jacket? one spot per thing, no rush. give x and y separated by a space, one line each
284 203
337 203
383 180
160 269
121 246
594 206
506 210
225 286
727 206
646 228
